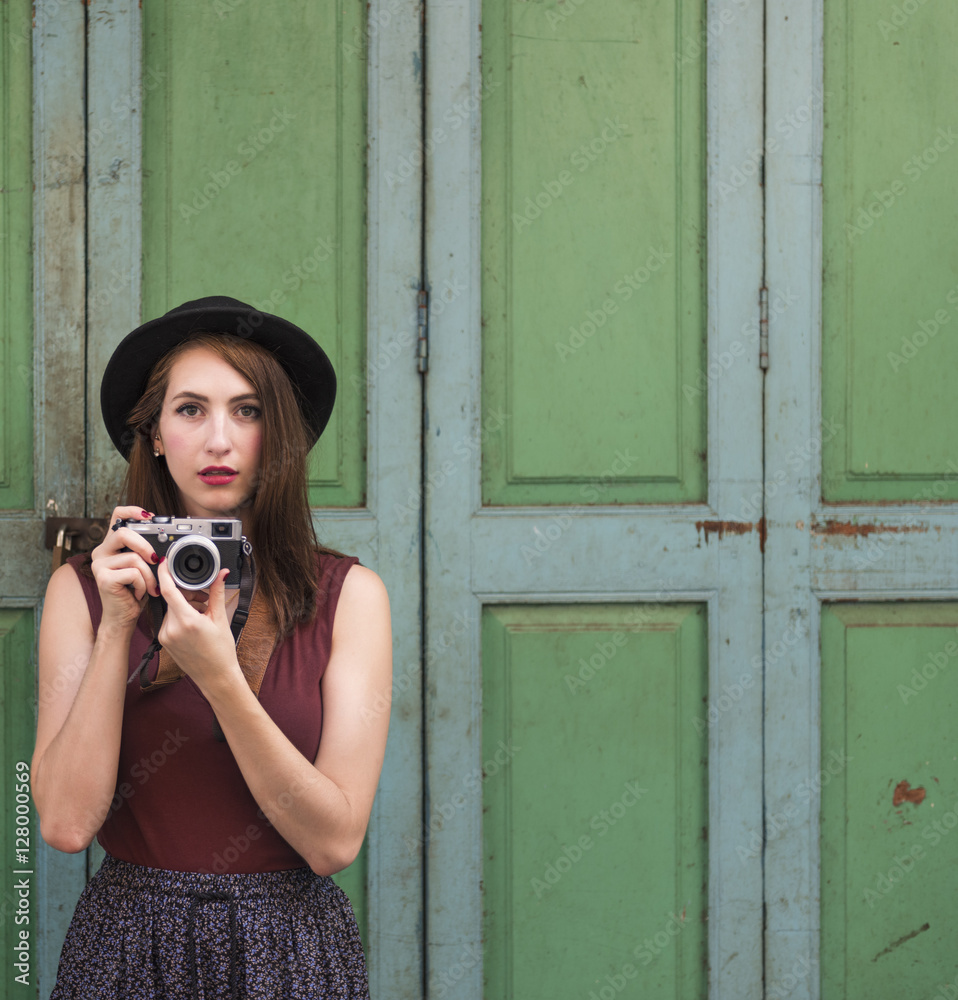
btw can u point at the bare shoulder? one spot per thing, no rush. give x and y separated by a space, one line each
65 595
362 600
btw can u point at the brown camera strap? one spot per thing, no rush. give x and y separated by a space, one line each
253 628
253 649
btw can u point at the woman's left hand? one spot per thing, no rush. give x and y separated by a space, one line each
198 635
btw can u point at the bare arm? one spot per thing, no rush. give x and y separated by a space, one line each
82 686
321 808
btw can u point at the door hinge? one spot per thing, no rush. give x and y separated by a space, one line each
763 327
423 338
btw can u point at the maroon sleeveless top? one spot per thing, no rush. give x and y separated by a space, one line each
181 802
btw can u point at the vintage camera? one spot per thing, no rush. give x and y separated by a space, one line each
196 548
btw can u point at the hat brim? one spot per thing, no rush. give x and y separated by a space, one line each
128 370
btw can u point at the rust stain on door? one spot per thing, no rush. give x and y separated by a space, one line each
905 793
832 527
722 528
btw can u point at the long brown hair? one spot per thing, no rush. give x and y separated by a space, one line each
280 528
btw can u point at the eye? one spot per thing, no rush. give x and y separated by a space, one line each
249 410
188 409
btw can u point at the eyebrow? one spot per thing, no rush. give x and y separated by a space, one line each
187 394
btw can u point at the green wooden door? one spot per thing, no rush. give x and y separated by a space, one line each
861 770
41 445
593 538
661 590
185 149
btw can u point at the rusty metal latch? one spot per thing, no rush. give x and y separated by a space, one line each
69 535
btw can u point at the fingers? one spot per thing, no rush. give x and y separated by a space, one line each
114 571
124 557
120 538
131 579
218 595
176 600
198 600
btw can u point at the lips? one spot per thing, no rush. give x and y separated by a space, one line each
218 475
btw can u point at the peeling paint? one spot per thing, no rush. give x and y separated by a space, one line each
722 528
831 527
905 793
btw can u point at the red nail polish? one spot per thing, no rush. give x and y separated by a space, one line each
163 559
154 557
145 513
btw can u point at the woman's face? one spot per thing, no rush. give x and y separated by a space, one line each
210 430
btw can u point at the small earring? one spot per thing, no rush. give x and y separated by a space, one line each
156 452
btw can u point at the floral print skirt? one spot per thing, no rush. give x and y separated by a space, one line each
151 934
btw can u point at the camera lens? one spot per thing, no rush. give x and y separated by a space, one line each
194 562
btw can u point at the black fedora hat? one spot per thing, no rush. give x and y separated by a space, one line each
128 370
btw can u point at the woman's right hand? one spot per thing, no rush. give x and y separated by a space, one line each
125 578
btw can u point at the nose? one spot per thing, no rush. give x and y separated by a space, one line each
218 440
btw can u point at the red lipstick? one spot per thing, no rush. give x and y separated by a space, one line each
218 475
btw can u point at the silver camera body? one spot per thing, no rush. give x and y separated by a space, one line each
196 548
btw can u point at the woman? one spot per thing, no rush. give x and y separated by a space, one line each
204 776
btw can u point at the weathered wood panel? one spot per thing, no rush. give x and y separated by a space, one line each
16 206
593 254
890 292
889 789
595 793
254 167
